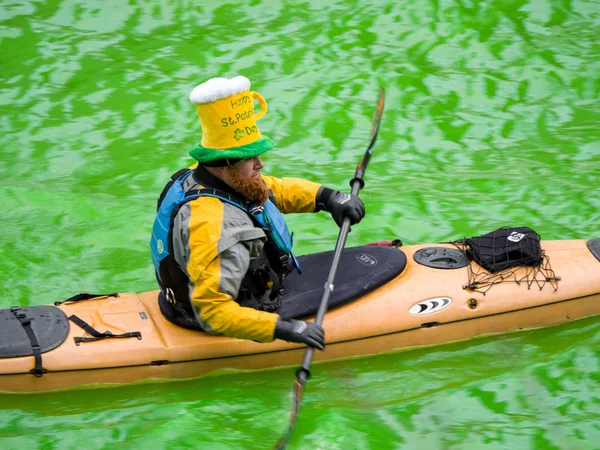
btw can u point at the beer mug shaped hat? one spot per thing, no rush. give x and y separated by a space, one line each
226 110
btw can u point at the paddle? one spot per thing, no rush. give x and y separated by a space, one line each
357 183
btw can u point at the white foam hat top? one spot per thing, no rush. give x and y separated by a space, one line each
218 88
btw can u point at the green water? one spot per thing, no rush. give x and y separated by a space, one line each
491 119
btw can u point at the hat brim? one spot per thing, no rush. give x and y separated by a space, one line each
203 154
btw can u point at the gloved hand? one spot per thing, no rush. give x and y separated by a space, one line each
340 205
302 332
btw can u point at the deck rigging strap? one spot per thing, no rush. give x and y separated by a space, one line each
97 336
85 296
38 371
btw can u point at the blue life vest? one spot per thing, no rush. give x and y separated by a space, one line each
268 217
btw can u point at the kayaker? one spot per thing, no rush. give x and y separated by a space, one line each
224 269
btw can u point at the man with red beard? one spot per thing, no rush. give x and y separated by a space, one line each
220 246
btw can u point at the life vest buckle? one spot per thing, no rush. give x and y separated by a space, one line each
170 295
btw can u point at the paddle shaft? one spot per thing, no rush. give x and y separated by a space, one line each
357 183
304 370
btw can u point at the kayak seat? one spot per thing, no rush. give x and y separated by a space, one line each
361 270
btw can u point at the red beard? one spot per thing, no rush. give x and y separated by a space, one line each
254 189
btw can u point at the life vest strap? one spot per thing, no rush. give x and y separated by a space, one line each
211 192
96 335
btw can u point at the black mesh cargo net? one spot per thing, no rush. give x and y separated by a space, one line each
507 255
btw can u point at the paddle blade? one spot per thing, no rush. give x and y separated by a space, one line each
362 165
298 389
377 116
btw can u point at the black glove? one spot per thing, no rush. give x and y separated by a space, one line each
302 332
340 205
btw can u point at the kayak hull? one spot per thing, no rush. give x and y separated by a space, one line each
375 323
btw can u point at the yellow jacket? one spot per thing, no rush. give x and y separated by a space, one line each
213 243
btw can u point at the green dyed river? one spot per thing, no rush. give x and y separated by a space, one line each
491 119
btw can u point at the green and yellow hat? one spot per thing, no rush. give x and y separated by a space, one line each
226 110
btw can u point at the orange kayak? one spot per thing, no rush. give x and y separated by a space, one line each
422 303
